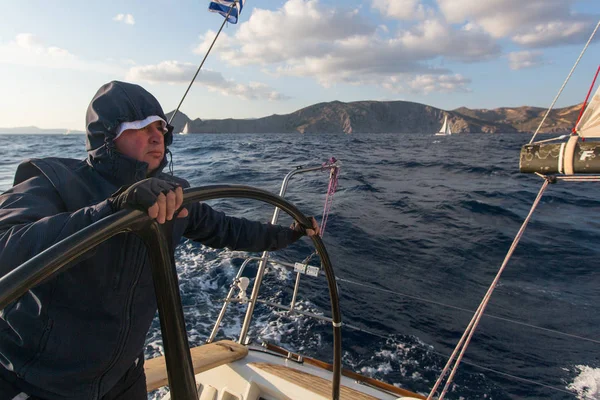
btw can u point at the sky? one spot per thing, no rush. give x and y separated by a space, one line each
284 55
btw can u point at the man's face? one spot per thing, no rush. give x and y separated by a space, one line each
146 144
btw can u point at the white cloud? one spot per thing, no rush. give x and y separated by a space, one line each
299 28
531 23
30 50
435 38
223 42
125 18
525 59
400 9
175 72
306 38
167 72
554 33
428 83
28 41
503 17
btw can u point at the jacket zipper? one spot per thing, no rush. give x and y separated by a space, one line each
127 329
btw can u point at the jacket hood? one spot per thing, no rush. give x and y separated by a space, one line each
114 103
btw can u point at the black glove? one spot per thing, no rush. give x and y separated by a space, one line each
298 229
141 195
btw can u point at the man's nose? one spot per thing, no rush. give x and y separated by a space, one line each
156 135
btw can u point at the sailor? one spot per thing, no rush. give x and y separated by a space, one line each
80 335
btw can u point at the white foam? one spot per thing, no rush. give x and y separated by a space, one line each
384 368
586 383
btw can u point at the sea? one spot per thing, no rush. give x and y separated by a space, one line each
417 230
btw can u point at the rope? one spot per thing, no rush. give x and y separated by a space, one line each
553 139
518 378
331 188
472 364
488 315
392 339
333 182
578 178
468 334
565 82
443 355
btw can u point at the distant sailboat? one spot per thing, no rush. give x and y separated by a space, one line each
446 129
185 130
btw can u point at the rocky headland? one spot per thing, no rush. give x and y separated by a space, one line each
389 117
374 117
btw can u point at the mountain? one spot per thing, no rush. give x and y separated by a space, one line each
375 117
527 119
388 117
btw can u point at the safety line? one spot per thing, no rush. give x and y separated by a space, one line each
472 364
488 315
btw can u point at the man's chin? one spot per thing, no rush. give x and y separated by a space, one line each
153 166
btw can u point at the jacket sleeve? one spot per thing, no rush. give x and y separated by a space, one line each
33 217
215 229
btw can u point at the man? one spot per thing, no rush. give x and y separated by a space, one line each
80 335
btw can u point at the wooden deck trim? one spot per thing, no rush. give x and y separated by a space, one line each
204 357
313 383
350 374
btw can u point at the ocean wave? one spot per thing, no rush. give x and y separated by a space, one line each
409 217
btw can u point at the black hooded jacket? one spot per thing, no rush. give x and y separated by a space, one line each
75 335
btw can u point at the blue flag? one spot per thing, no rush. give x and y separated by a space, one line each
222 7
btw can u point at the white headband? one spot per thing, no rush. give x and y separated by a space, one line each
141 124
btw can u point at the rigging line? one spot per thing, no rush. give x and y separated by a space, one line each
464 342
553 139
488 315
470 363
443 355
424 300
565 82
202 63
518 377
470 330
332 187
578 178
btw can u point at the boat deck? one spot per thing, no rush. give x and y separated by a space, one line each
227 370
204 357
313 383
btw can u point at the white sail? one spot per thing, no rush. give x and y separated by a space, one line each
444 126
589 124
185 130
445 130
